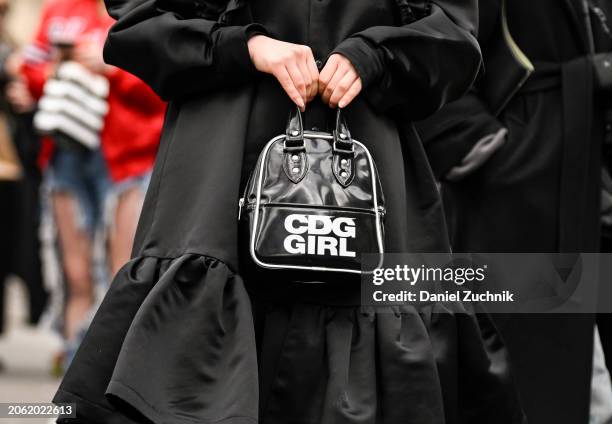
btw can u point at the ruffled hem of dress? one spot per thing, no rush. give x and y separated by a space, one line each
443 363
88 409
124 393
172 342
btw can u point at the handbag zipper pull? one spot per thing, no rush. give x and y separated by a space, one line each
240 206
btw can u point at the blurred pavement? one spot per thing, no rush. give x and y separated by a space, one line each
27 354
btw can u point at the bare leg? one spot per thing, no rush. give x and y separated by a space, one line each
76 248
123 229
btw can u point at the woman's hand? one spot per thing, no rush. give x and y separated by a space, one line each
293 65
339 82
19 97
90 56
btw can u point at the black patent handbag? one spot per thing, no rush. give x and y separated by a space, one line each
314 202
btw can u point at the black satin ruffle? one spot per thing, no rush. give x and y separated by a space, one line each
340 365
174 342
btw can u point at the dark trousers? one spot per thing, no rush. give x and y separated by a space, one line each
20 245
8 215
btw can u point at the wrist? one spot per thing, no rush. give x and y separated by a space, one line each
366 60
252 44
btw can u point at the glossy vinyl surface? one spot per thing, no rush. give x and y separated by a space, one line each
315 222
319 186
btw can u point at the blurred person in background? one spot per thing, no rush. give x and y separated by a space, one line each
105 125
19 180
521 164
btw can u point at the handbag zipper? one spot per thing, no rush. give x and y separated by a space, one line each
242 204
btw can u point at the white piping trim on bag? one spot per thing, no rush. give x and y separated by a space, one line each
376 211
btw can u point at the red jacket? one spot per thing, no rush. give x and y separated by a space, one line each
133 125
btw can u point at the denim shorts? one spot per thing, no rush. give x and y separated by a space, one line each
140 182
117 189
82 173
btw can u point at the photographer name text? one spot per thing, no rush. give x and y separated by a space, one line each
404 296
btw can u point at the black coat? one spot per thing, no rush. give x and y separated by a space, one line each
539 193
174 339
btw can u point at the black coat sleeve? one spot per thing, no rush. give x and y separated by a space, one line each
173 49
421 65
450 134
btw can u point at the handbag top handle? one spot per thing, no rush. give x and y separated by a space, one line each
295 163
294 140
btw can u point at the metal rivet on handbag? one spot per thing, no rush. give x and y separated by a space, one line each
314 201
